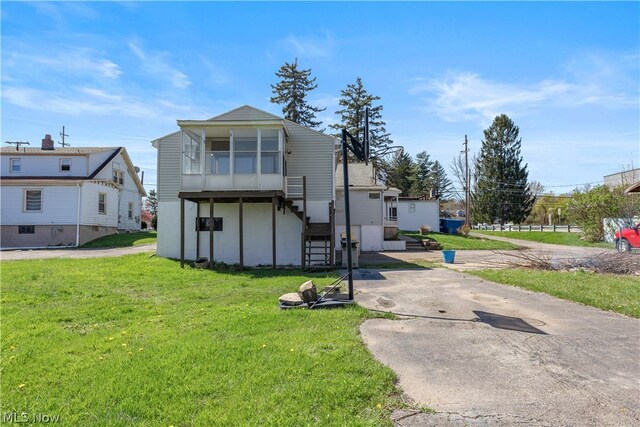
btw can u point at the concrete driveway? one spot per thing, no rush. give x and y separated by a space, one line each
18 254
480 353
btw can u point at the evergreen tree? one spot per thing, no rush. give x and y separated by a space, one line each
401 172
354 100
291 93
501 191
151 204
423 171
439 182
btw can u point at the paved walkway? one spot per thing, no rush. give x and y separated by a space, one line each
74 253
483 354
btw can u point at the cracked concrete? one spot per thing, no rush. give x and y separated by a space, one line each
480 353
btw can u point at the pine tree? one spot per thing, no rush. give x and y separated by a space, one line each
291 93
501 191
354 100
422 183
151 203
439 182
401 172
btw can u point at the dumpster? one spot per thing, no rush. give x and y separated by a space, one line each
450 226
355 246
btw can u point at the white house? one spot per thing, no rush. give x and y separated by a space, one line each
246 187
414 213
373 208
66 196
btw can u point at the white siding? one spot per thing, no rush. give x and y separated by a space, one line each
128 193
257 233
169 152
90 215
45 165
97 159
246 112
59 205
364 211
426 212
312 155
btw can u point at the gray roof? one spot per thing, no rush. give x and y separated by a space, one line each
56 151
360 175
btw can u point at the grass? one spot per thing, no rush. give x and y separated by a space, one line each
608 292
137 340
556 238
123 239
458 242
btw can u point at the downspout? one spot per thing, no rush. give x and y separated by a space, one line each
78 215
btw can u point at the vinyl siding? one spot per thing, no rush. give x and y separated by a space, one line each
169 173
46 165
59 205
245 113
312 155
89 214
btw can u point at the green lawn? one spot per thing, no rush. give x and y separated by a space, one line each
608 292
458 242
557 238
137 340
123 239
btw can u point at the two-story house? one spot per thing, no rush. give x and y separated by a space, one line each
246 187
66 196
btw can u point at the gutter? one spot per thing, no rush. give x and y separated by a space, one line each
78 216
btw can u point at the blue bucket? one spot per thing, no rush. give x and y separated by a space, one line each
448 256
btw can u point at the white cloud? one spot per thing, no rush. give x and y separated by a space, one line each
460 96
76 61
308 46
156 63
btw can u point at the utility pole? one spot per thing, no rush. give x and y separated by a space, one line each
17 144
467 183
62 134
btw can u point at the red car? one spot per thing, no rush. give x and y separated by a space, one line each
630 239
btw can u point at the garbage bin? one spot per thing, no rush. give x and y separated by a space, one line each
354 253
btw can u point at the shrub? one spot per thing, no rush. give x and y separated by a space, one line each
464 230
424 229
143 225
154 222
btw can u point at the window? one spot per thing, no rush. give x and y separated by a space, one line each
65 165
245 146
26 229
374 196
269 151
130 210
33 200
118 176
393 213
102 203
219 156
15 165
191 162
203 224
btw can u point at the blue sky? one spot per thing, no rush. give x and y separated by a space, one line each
121 73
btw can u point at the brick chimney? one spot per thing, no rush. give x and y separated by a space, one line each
47 142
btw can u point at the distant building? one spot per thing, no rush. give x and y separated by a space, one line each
66 196
625 178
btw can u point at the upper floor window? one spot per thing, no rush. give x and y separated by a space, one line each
219 156
118 176
15 165
245 148
102 203
191 162
65 165
269 151
33 200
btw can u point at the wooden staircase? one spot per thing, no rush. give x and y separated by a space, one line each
317 237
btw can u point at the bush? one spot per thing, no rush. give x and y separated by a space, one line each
464 230
143 225
424 229
154 222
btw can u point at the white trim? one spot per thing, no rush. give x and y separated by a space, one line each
24 200
19 161
104 203
60 164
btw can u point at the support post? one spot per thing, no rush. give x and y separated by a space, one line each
181 233
241 227
273 232
211 233
198 229
347 211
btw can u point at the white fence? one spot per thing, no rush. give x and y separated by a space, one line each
509 227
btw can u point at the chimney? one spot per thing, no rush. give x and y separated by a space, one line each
47 142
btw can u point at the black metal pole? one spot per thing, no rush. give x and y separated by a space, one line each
347 212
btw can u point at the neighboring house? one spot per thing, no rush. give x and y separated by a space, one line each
373 207
246 187
66 196
413 213
624 178
635 188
